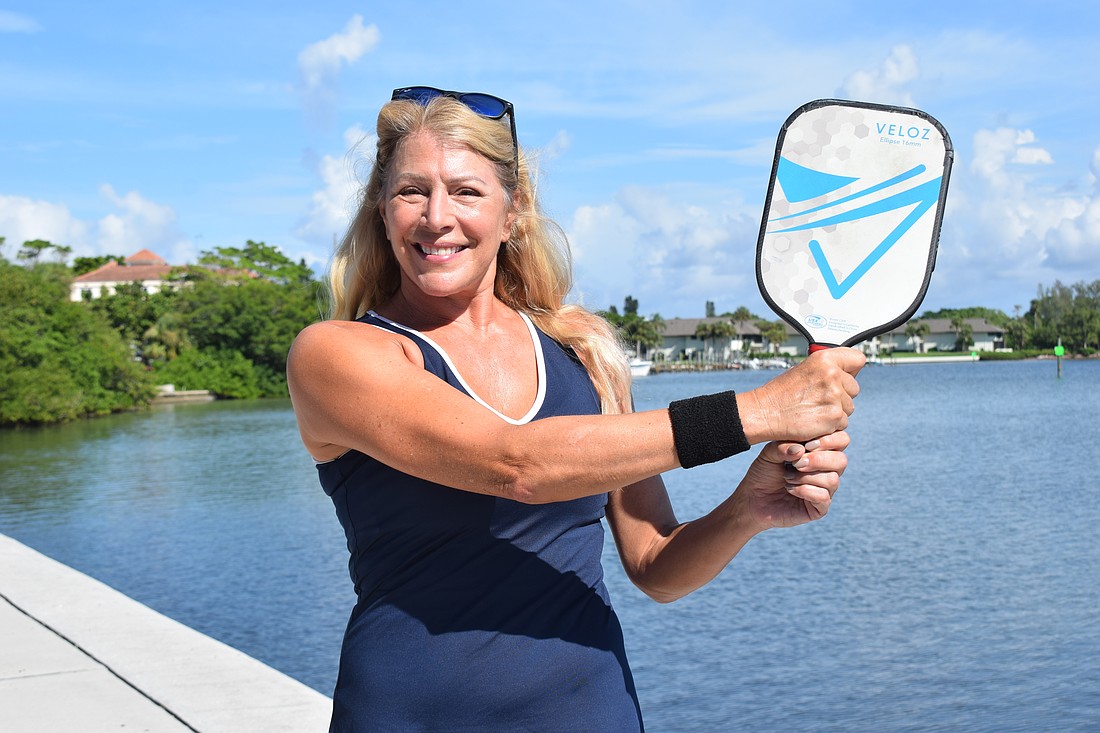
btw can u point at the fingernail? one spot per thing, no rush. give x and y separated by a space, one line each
802 462
813 445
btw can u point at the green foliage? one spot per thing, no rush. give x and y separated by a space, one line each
1066 313
257 259
224 372
992 315
964 333
82 265
58 360
633 329
774 332
132 311
742 314
256 318
707 331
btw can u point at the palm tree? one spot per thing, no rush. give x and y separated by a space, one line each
774 332
964 333
640 332
708 330
916 331
164 340
739 317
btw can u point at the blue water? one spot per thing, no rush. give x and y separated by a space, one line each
954 586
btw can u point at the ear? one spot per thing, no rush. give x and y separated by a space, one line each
382 216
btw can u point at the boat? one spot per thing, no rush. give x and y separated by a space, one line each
640 367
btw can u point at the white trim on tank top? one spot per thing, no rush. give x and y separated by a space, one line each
540 364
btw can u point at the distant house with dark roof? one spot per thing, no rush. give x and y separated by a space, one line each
679 339
145 267
940 337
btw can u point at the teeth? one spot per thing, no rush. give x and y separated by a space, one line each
429 250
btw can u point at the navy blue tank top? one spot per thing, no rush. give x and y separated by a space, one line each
477 613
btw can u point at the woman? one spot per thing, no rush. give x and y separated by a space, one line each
472 431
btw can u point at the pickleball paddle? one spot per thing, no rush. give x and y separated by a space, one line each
851 222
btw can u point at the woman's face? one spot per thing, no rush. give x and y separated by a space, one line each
446 215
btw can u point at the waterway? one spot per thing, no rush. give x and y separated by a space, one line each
954 586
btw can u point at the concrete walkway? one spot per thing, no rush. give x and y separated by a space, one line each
77 656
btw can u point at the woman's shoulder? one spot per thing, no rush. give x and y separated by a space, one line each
335 339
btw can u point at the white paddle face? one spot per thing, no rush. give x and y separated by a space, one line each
848 238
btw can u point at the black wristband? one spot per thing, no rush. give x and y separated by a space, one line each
707 429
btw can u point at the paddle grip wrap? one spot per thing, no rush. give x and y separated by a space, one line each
707 429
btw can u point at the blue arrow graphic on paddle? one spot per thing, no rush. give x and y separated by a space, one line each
800 184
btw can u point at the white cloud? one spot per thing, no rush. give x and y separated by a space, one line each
320 63
672 247
558 145
23 219
138 219
887 83
17 23
1008 230
135 223
994 149
332 206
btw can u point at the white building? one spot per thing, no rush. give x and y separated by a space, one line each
143 267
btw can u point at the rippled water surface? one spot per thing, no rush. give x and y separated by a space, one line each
954 586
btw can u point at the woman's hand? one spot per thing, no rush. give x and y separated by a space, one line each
790 484
811 399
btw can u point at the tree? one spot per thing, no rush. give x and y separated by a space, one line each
224 372
58 359
774 332
256 318
739 317
82 265
992 315
259 260
31 252
716 329
165 339
132 311
633 329
964 333
916 331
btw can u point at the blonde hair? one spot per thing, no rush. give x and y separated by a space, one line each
534 267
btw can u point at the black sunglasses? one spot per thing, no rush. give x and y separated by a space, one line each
486 105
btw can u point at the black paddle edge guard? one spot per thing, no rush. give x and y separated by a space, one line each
948 160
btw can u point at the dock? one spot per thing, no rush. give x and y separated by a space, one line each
77 655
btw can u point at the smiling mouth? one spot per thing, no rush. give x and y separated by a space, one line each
429 249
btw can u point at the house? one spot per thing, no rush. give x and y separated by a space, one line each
143 267
940 337
679 339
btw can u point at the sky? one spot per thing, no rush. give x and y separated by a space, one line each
182 127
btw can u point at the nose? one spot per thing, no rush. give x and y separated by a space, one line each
438 212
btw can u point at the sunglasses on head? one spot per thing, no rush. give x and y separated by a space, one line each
486 105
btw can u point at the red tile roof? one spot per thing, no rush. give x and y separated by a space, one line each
141 266
145 257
